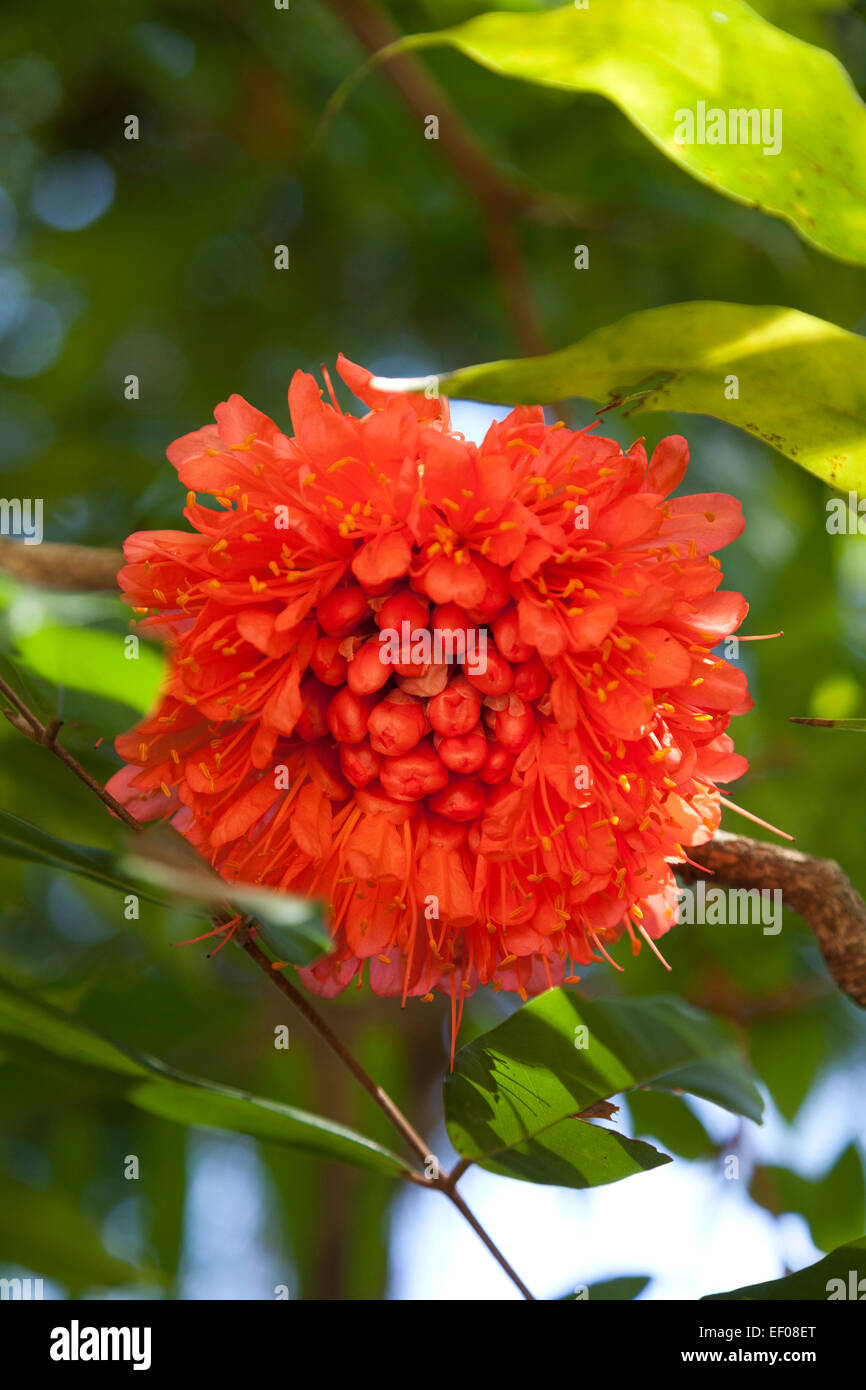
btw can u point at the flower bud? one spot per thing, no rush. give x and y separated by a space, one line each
413 667
340 612
449 833
348 714
396 724
456 709
463 753
359 763
327 663
506 630
413 775
428 685
531 679
513 731
497 679
498 764
401 608
315 699
461 800
456 628
367 672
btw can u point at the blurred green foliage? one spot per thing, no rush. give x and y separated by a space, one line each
166 271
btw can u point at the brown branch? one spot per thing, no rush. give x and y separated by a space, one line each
816 889
61 566
500 200
424 97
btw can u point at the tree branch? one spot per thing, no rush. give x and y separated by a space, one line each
61 566
816 889
500 200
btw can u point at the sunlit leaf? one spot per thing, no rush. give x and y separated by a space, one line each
514 1100
800 382
91 660
805 161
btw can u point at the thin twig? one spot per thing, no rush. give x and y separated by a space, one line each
447 1181
452 1178
27 723
458 1202
45 735
303 1005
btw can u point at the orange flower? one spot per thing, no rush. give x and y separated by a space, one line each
465 694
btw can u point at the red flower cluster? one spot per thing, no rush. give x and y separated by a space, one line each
495 819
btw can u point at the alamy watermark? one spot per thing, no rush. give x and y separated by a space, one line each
77 1343
21 1290
846 517
466 647
737 126
22 516
719 907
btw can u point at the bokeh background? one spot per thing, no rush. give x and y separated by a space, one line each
155 257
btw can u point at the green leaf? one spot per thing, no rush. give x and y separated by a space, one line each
626 1287
514 1100
95 661
657 61
840 1275
802 382
292 926
24 1019
21 840
668 1119
152 1086
576 1153
44 1231
788 1052
833 1205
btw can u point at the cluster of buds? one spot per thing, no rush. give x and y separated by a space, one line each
477 704
409 729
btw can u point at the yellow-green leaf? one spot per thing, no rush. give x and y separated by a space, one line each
791 379
656 61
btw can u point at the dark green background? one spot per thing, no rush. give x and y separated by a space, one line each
390 264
